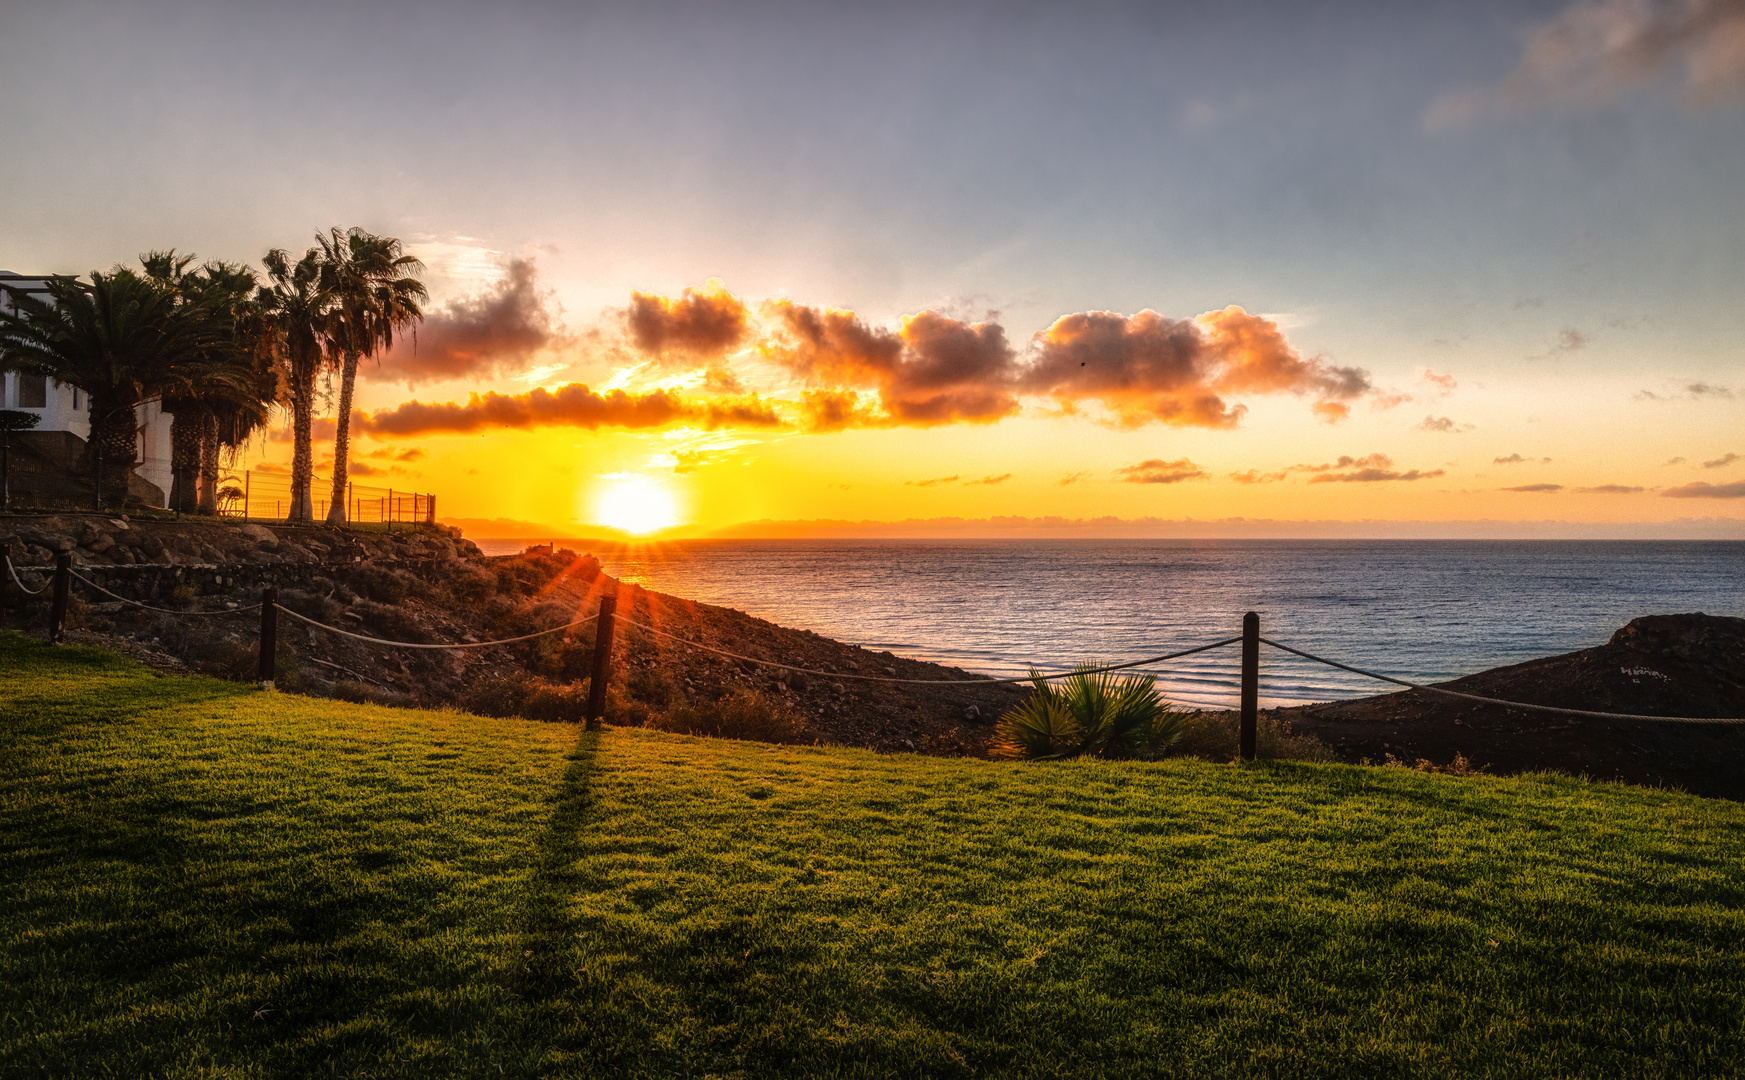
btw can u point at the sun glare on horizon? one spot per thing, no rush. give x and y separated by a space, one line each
636 505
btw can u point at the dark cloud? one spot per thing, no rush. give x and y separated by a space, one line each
1721 462
1158 471
479 336
704 323
1609 489
1569 339
1706 491
1672 461
1694 390
1536 488
1255 476
1373 475
364 468
389 453
1593 52
989 480
1442 424
1073 478
574 405
1148 368
1346 461
1512 459
936 370
935 482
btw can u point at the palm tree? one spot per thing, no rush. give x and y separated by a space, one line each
295 306
234 389
374 291
123 339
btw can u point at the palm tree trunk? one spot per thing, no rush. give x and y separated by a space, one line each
342 441
208 490
184 460
114 442
302 454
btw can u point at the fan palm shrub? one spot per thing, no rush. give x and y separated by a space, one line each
1090 712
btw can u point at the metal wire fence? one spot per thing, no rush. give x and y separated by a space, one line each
263 494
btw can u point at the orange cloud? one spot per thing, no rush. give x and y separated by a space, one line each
1699 490
481 335
1371 468
936 370
574 405
705 323
1158 471
1148 368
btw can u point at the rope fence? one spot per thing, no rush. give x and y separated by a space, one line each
607 618
932 682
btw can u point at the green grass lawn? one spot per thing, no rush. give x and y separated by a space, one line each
201 879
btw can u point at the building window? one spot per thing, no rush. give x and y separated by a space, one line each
139 447
78 399
32 391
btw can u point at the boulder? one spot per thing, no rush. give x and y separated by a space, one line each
262 536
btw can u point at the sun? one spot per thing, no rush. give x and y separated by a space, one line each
636 504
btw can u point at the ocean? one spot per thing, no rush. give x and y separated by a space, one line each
1415 609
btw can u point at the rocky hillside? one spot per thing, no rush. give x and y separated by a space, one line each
427 585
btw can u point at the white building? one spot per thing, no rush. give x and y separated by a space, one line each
66 408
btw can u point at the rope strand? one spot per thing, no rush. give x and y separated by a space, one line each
928 682
1500 701
16 580
160 611
420 645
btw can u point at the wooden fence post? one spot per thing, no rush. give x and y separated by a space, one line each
1250 683
269 637
602 662
6 554
57 619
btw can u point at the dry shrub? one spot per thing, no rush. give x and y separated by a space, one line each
310 605
654 685
468 581
1459 766
363 693
564 659
393 623
516 694
384 584
1213 736
625 708
496 695
744 714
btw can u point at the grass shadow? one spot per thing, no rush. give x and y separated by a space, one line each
539 978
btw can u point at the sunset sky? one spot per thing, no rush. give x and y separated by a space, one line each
715 264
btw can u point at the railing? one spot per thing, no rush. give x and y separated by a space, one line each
607 617
248 494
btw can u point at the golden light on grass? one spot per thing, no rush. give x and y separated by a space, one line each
635 504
